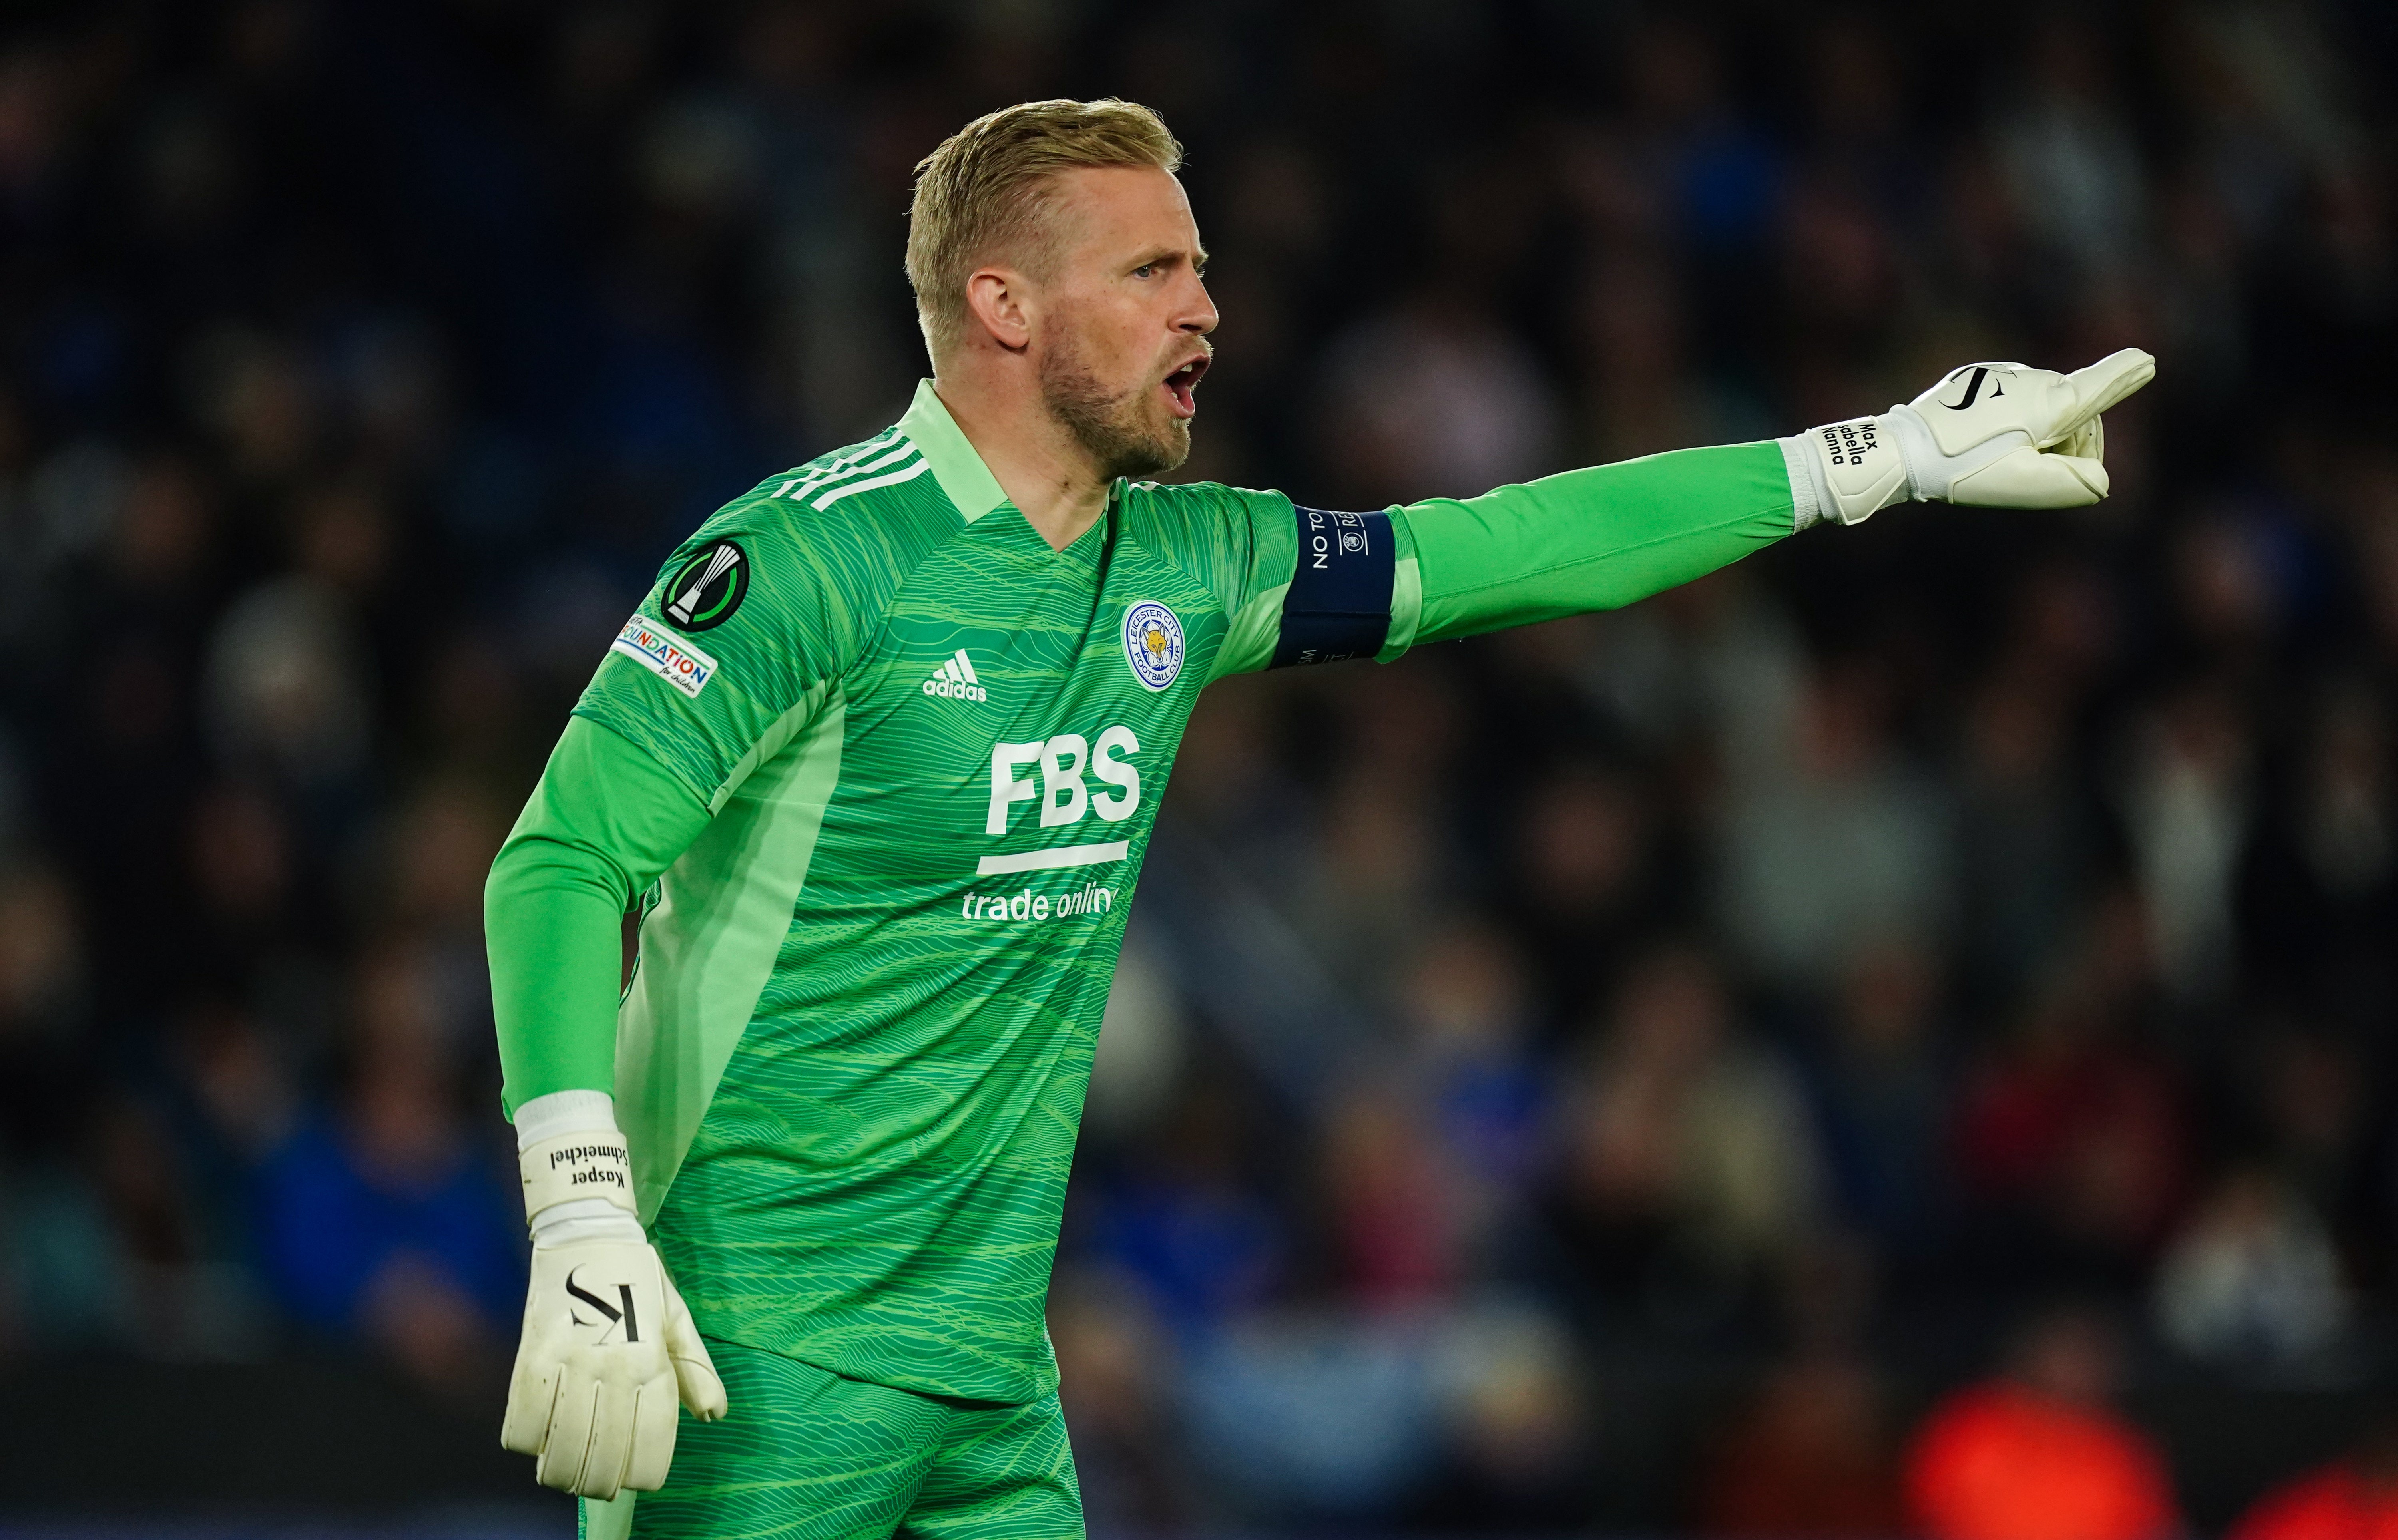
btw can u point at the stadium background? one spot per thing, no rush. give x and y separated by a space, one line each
1615 1076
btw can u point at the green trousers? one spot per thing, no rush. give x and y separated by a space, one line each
805 1454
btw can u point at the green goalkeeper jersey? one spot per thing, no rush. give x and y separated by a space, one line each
880 766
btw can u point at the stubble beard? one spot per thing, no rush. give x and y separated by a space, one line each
1114 430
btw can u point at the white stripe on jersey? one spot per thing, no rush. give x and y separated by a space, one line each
889 479
1057 856
966 664
855 465
876 451
892 456
819 476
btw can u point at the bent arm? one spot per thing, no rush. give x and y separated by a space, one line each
1595 539
604 821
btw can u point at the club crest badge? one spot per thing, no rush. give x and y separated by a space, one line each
1152 640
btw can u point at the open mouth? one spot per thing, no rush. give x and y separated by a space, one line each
1182 382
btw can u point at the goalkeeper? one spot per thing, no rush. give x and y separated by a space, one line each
875 762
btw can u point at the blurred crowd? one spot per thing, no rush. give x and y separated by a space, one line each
1625 1072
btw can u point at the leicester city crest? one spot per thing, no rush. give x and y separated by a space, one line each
1152 640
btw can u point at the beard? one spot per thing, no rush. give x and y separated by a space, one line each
1120 432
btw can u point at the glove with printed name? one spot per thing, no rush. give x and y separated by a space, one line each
1989 436
609 1348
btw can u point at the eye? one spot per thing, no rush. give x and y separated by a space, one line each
1144 270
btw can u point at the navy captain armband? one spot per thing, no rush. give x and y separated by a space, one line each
1339 605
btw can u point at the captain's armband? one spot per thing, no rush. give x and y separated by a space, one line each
1339 604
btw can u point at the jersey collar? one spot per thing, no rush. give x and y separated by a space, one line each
964 479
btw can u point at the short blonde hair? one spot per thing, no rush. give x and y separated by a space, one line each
984 191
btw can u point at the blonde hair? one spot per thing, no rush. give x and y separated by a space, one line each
986 191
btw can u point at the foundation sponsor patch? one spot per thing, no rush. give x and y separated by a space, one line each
664 654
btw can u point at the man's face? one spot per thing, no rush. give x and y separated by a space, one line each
1124 318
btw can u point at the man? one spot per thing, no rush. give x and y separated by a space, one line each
877 761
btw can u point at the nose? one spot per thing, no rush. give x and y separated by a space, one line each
1199 319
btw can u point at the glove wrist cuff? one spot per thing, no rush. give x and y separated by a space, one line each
1859 469
587 1164
1809 498
564 1112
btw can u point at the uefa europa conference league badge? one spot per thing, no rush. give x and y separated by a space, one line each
709 587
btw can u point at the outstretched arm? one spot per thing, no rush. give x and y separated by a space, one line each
1988 435
1595 539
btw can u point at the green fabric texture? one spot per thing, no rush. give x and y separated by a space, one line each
604 821
805 1454
1595 539
886 808
851 1063
713 936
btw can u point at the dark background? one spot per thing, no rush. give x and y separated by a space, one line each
1544 1069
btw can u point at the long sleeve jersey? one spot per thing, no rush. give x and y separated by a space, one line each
877 767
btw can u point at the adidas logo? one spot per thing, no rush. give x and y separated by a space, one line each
955 679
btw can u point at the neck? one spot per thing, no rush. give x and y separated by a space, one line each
1049 476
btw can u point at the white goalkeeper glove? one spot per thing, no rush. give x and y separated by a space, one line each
1990 436
609 1348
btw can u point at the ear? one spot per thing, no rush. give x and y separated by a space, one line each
998 300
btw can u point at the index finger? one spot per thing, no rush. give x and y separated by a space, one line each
2100 385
